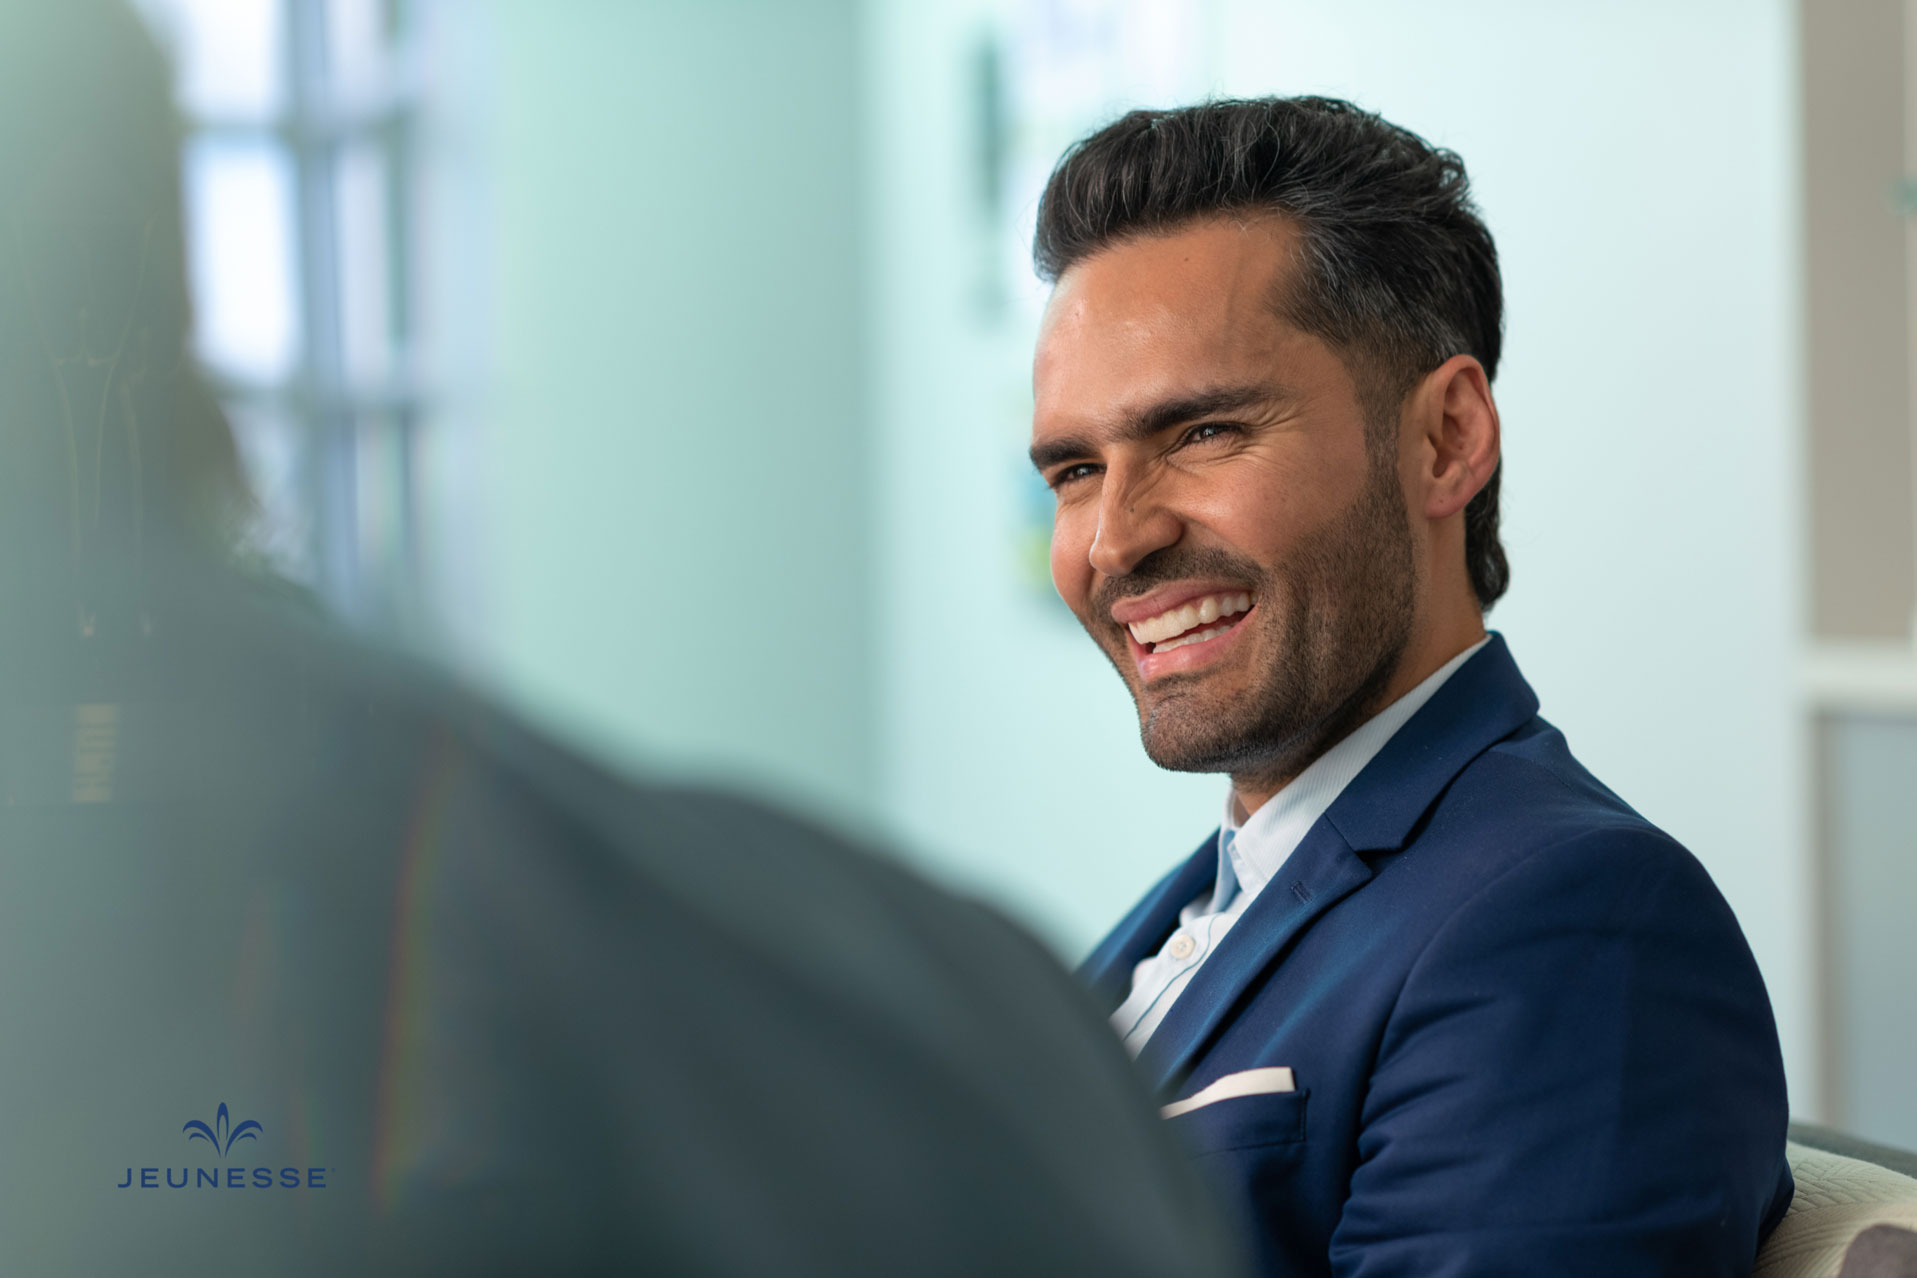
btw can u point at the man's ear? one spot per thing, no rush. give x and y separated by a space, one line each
1459 443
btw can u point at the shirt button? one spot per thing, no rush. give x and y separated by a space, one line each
1181 946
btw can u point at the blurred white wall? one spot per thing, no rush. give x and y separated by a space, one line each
679 549
1637 164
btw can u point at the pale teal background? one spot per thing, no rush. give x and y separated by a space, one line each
681 531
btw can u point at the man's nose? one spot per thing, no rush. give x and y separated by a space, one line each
1132 523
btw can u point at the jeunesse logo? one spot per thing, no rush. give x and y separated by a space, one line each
222 1136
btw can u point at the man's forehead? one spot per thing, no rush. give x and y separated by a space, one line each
1193 268
1159 316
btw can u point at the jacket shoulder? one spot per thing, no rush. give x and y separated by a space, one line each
1534 793
1526 820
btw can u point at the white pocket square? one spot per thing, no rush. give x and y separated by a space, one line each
1246 1082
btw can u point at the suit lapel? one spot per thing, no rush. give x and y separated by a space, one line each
1320 873
1485 701
1107 971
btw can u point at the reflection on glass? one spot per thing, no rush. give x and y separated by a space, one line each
240 211
298 176
365 265
276 453
230 54
356 45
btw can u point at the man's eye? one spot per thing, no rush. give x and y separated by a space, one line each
1071 474
1208 430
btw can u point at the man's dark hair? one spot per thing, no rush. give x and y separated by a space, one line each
1398 272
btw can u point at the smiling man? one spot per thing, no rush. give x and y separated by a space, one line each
1431 1000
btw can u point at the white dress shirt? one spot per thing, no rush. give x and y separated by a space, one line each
1250 854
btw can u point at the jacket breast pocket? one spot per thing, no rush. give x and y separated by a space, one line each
1244 1122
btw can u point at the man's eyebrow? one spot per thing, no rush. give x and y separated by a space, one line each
1161 417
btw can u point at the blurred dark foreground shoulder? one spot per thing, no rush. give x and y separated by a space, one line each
496 1010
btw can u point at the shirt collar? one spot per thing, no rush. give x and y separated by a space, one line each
1251 852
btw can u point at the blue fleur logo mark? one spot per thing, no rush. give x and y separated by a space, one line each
217 1135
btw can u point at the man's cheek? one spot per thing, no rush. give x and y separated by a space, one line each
1070 569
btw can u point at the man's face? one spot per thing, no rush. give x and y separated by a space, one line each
1224 529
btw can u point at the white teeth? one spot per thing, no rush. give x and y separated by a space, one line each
1200 637
1177 621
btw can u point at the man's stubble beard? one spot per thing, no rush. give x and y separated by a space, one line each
1346 596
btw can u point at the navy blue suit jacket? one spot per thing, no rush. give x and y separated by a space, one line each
1526 1033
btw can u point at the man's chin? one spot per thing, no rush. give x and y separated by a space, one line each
1193 747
